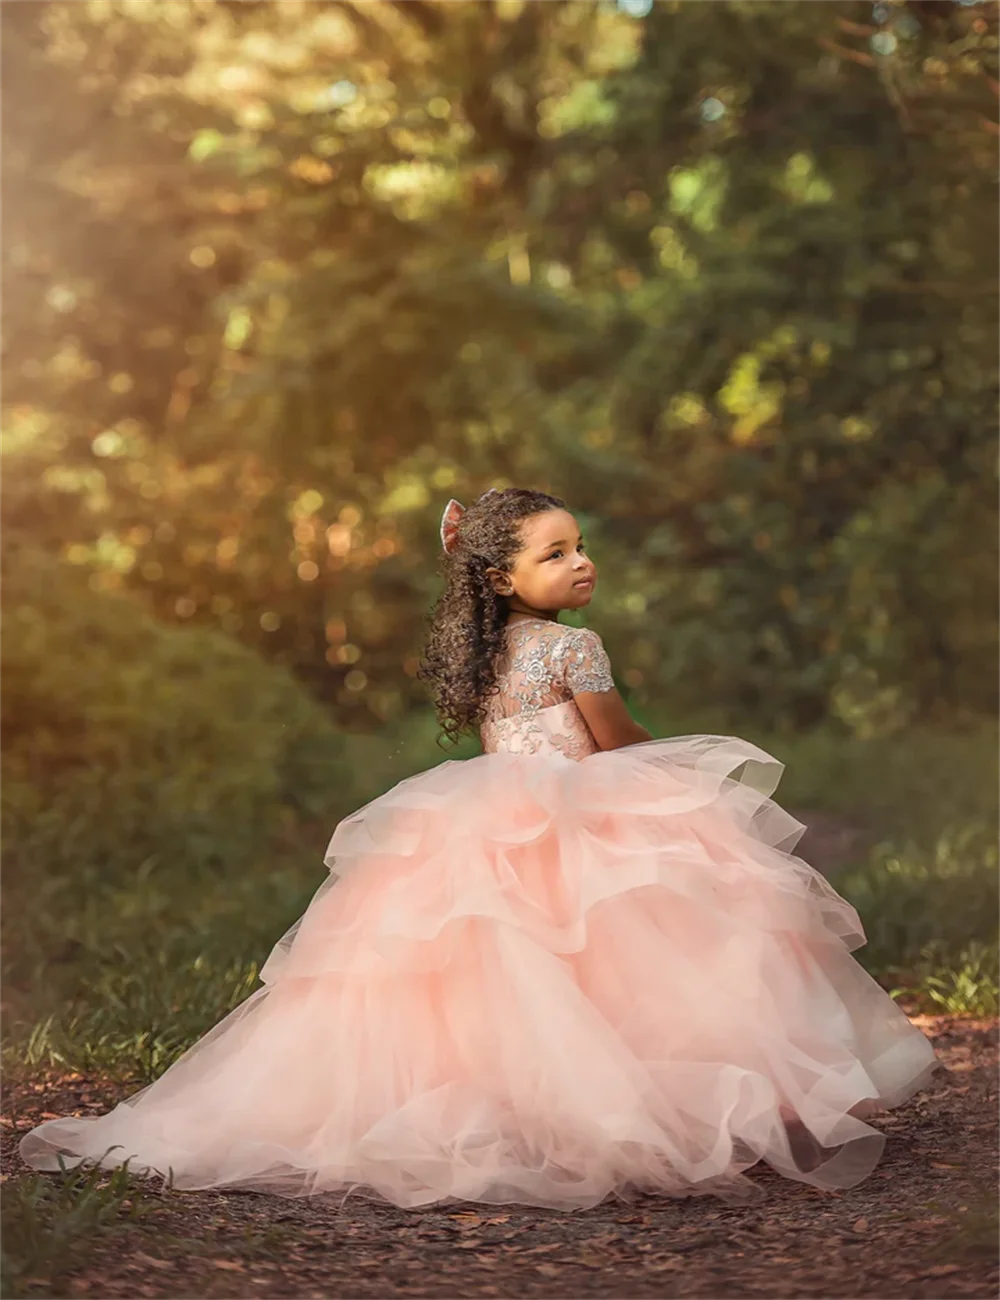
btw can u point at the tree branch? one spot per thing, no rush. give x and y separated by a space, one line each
427 18
844 52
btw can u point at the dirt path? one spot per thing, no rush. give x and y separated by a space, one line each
923 1225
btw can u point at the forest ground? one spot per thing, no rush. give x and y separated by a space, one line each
924 1224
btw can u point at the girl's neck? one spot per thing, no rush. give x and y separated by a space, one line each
515 615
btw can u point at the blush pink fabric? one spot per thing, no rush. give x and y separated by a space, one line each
537 979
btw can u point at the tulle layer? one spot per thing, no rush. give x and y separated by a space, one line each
529 979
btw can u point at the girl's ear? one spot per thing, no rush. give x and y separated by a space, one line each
500 582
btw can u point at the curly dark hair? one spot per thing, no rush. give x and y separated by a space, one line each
467 623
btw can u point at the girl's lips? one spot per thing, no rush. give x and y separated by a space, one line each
584 582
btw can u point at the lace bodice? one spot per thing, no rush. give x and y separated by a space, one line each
543 666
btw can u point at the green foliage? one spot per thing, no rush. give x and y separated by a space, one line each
723 276
120 980
928 890
920 787
969 1231
929 903
127 741
282 277
966 985
142 1008
148 773
50 1220
926 876
826 453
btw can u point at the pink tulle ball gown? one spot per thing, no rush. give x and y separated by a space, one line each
545 975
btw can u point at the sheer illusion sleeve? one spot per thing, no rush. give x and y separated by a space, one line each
586 663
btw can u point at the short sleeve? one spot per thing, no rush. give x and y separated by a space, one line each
586 666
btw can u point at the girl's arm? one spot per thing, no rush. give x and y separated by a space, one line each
588 676
607 716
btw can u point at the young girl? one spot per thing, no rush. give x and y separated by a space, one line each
584 962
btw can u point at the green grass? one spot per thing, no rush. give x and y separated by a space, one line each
930 913
925 880
120 978
970 1232
928 886
51 1220
139 975
966 985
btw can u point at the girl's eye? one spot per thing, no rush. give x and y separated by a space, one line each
555 554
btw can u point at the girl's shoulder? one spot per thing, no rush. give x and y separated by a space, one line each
562 642
573 657
579 640
559 631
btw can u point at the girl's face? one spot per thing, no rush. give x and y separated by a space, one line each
552 571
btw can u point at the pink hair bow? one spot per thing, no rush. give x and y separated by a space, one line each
453 513
452 517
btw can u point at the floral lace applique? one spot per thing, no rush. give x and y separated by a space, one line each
533 710
587 667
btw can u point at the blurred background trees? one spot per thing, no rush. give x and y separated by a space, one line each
279 278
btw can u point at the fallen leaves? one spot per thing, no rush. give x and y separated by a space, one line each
149 1261
467 1220
664 1265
